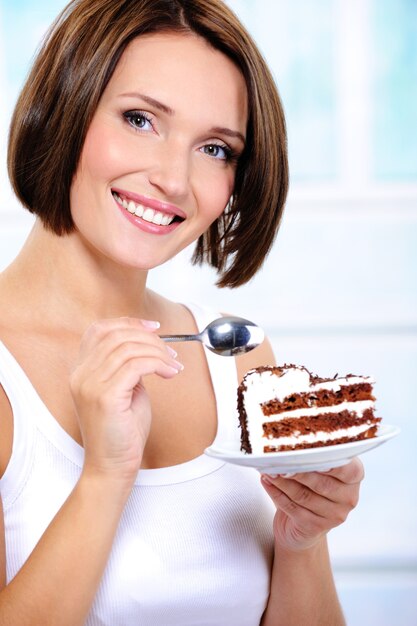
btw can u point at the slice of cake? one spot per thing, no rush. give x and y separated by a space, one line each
289 408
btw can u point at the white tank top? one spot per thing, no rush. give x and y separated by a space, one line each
194 545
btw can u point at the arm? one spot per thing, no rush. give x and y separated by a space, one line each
308 506
302 586
302 590
57 584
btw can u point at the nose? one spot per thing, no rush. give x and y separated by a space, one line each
171 171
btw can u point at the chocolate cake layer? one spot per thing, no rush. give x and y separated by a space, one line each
325 422
319 398
368 434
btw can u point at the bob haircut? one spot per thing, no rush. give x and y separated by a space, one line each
62 91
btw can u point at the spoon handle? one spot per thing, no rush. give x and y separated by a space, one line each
172 338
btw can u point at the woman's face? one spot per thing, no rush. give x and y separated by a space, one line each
159 160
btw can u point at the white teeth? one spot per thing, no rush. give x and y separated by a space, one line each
147 214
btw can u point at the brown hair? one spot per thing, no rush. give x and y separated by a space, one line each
62 92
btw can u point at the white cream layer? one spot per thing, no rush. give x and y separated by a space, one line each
358 407
297 439
265 386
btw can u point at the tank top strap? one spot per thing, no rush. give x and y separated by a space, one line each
224 378
24 403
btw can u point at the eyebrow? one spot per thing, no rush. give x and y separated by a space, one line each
166 109
151 101
229 133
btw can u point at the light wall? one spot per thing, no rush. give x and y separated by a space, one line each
338 292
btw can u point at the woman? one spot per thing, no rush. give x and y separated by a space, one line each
143 127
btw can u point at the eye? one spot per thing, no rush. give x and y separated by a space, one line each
139 120
217 151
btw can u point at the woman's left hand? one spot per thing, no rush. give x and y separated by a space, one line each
310 504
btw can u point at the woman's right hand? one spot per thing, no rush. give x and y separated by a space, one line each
112 405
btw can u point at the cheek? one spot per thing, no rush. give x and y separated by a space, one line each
215 190
104 155
219 196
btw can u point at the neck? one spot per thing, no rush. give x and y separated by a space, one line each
60 278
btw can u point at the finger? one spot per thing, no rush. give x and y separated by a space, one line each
131 372
102 348
311 523
100 328
331 483
332 488
154 360
351 473
121 380
334 510
326 485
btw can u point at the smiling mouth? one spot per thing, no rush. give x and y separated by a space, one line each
146 213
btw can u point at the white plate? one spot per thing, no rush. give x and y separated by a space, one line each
308 460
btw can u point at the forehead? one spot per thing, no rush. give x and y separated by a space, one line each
175 68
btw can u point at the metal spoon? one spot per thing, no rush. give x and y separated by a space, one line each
227 336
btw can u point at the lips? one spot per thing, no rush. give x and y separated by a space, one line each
150 210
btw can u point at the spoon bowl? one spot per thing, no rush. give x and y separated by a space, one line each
226 336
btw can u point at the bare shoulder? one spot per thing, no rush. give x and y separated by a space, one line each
174 317
2 549
6 431
262 355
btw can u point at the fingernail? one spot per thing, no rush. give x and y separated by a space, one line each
177 365
289 475
171 351
150 324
